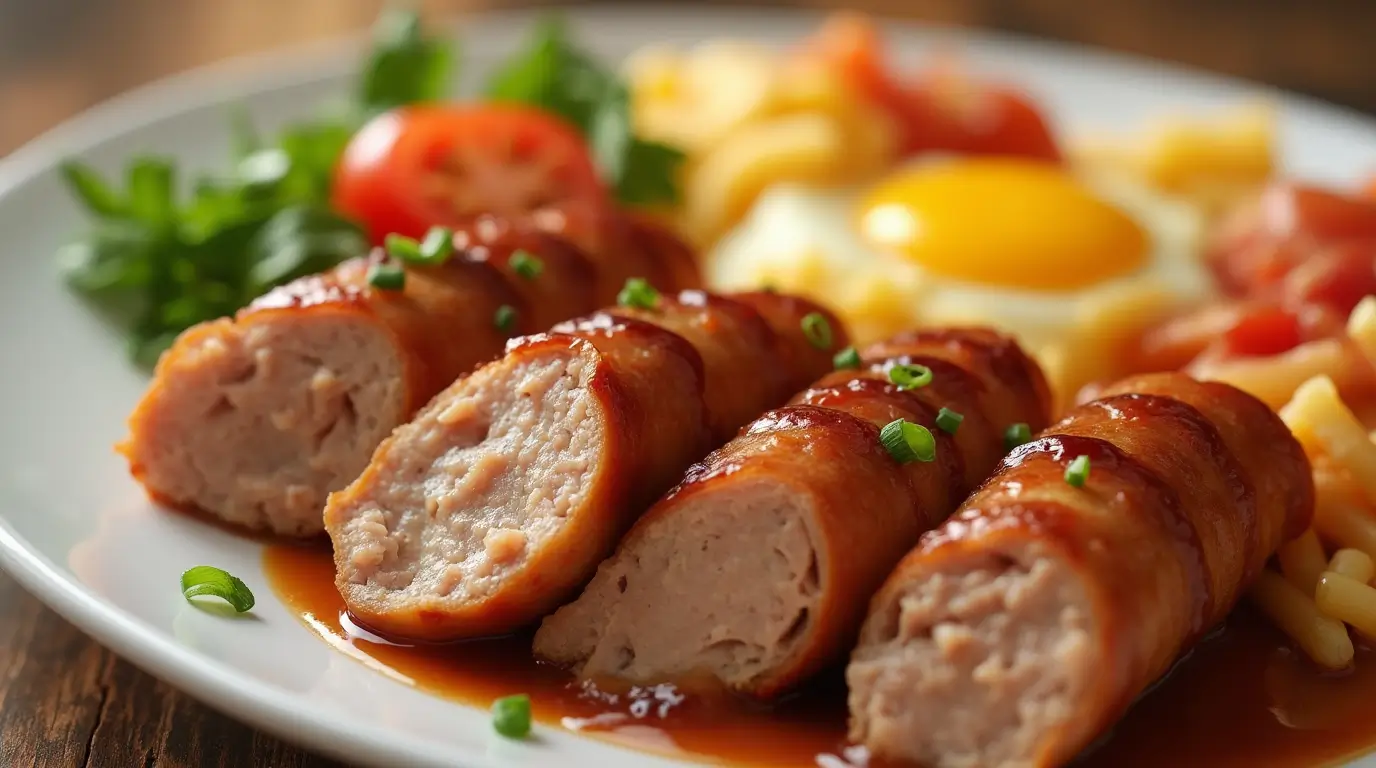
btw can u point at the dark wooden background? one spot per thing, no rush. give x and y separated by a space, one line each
64 700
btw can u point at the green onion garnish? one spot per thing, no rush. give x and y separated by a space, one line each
948 420
906 441
504 318
910 376
511 716
437 246
817 330
1078 472
526 265
1016 435
402 248
388 277
638 293
209 580
846 358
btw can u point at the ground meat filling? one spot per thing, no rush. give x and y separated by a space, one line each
475 484
265 419
972 667
673 603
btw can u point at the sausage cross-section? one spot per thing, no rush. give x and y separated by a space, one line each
255 419
757 568
496 503
1026 624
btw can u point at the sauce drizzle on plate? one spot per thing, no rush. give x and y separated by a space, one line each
1241 698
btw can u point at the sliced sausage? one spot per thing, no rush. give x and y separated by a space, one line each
255 419
495 504
756 569
1024 626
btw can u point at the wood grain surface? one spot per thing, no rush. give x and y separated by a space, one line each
64 700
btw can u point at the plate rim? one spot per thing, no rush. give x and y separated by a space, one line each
209 680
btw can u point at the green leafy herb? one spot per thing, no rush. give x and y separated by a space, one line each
906 441
159 257
215 582
846 358
552 73
511 716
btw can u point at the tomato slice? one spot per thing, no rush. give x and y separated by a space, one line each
417 167
1264 330
944 109
1296 209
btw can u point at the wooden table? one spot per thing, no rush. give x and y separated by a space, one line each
64 700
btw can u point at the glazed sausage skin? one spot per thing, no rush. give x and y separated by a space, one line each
255 419
756 569
1067 602
518 479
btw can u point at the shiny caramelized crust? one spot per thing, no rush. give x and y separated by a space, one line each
756 568
256 419
622 247
675 264
497 502
1028 622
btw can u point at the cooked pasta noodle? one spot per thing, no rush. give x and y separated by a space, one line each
1361 326
1354 564
1346 526
1348 600
1320 419
1302 560
1275 379
1322 638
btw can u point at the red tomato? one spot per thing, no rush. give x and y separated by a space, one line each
417 167
1263 331
944 110
1336 277
1293 209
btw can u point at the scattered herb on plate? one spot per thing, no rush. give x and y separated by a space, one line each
207 580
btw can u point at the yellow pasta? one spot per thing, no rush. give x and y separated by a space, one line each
1275 379
1302 560
1346 526
1354 564
1317 416
1361 327
1347 600
1322 638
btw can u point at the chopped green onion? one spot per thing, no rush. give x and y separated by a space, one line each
1078 472
402 248
948 420
910 376
817 330
387 276
1016 435
527 266
906 441
505 318
846 358
437 246
638 293
511 716
212 581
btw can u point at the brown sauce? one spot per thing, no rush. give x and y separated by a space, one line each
1242 698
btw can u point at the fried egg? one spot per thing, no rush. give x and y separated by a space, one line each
1070 262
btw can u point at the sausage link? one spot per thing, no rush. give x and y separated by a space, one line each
256 419
757 567
1028 622
495 504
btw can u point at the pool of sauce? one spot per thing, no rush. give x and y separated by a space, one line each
1242 698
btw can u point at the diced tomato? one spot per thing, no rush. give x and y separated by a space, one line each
1336 277
944 109
1290 209
1263 331
416 167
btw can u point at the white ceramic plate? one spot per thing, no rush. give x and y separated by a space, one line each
75 529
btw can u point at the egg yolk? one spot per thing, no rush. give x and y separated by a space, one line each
1003 222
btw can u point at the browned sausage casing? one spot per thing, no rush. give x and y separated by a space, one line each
495 504
756 569
255 419
1027 623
